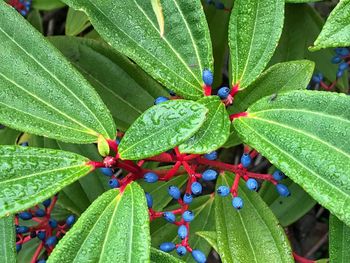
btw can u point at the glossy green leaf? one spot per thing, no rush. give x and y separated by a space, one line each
301 1
115 228
214 131
8 136
254 30
245 235
305 134
124 77
210 237
158 256
281 77
28 250
47 95
35 19
8 240
76 22
30 175
336 31
47 5
157 8
339 240
161 128
177 59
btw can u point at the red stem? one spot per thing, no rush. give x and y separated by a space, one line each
37 253
300 259
238 115
223 166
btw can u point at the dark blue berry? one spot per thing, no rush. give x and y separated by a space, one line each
188 198
223 93
25 215
208 77
53 223
40 212
252 184
188 216
41 235
70 220
209 175
340 73
18 247
237 202
211 156
113 183
196 188
150 177
317 78
47 202
199 256
51 241
107 171
223 190
167 246
172 93
182 231
342 51
174 192
343 66
336 59
219 5
246 160
25 144
169 216
209 2
282 190
278 175
160 99
33 234
181 251
41 261
22 229
149 200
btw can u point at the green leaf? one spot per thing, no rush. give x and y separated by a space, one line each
158 256
47 5
115 228
157 8
214 131
35 19
339 240
245 235
305 134
8 136
177 59
161 128
31 175
210 237
47 95
8 240
124 77
76 22
250 24
336 31
301 1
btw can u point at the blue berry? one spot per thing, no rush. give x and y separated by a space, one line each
41 235
209 2
188 216
317 78
70 220
24 144
181 251
18 247
22 229
343 66
223 92
196 188
25 215
246 160
209 175
172 93
40 212
188 198
342 51
169 216
53 223
219 5
47 202
208 77
237 202
336 59
149 200
150 177
41 261
252 184
160 99
340 73
211 156
174 192
113 183
282 190
51 241
182 231
223 190
278 175
107 171
167 246
199 256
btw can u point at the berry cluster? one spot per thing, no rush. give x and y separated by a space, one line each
22 6
342 58
38 223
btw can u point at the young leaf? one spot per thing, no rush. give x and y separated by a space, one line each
157 8
115 228
254 30
8 240
336 31
161 128
339 240
177 59
210 237
158 256
305 134
76 22
240 234
46 94
214 131
31 175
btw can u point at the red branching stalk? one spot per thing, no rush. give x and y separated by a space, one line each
300 259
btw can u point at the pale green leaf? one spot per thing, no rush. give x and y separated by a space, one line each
8 136
339 241
210 237
157 8
76 22
8 240
158 256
